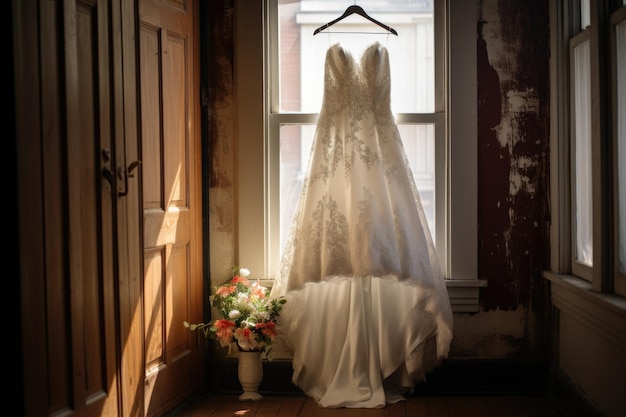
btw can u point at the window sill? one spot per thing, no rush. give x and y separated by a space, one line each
464 294
605 313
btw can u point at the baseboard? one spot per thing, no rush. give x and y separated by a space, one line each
570 399
453 377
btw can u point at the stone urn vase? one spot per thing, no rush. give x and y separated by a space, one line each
250 372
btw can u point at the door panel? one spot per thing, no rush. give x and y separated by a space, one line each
170 149
79 283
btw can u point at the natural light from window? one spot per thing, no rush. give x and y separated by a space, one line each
620 36
413 89
582 154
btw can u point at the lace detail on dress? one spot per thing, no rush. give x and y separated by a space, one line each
335 219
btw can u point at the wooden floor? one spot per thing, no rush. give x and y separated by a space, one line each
432 406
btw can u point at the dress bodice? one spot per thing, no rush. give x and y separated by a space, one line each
357 85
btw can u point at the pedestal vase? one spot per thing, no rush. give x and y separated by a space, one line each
250 372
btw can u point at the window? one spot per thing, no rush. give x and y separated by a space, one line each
297 87
589 143
582 186
442 148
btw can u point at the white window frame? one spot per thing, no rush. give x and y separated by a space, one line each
258 166
591 310
600 282
576 43
617 128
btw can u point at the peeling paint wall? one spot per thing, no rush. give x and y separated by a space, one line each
221 147
513 211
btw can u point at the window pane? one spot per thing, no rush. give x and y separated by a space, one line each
585 14
620 37
582 154
419 145
295 146
302 54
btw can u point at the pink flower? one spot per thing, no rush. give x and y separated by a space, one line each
246 338
267 328
224 331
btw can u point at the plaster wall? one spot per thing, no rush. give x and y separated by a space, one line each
594 363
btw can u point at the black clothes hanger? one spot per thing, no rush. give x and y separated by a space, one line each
358 10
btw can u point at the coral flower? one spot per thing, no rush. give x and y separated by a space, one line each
224 331
267 328
225 291
240 280
258 291
246 338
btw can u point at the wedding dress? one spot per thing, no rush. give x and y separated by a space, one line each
368 314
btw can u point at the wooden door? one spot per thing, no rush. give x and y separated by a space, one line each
65 138
92 274
97 339
171 156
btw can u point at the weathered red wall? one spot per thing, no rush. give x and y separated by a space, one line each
513 156
220 120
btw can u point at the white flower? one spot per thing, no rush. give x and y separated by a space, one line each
263 315
233 314
243 272
247 339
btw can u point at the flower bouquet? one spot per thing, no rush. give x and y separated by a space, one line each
248 315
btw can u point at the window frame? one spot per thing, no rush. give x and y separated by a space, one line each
578 40
256 122
601 280
275 119
617 17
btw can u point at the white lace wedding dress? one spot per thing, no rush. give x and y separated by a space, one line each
368 313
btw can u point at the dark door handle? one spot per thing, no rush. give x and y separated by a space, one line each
124 173
106 172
